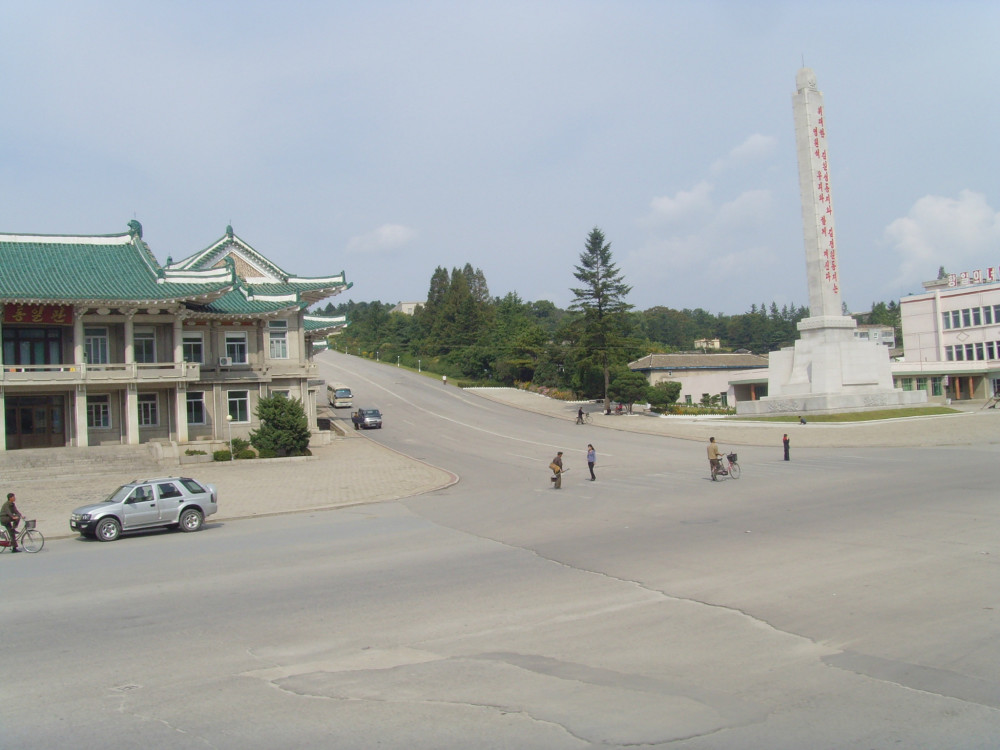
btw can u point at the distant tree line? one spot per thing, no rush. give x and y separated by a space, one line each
467 334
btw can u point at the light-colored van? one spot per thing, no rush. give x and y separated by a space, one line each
339 396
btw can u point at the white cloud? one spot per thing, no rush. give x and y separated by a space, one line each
755 148
750 208
686 204
386 237
735 235
939 231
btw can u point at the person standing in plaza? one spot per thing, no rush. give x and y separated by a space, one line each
591 460
557 469
786 442
713 456
10 517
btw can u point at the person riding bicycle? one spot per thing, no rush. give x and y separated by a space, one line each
10 517
714 462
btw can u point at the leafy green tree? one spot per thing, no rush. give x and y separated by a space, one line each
601 298
664 394
628 388
284 429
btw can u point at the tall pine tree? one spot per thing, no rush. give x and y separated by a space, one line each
601 298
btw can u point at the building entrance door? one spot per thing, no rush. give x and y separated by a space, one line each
35 422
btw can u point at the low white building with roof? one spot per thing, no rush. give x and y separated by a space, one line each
703 375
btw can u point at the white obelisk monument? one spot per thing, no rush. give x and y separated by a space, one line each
828 369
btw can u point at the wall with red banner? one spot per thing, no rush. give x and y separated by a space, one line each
59 315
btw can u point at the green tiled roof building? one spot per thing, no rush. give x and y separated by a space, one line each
103 344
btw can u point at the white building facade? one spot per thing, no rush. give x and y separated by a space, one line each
951 338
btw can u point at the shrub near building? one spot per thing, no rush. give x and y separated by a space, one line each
284 429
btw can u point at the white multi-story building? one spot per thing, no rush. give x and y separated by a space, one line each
880 334
951 338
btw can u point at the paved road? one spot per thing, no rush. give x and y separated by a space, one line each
844 599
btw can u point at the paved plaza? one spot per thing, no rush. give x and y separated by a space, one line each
354 469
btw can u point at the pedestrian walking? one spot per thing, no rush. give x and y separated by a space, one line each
714 463
591 460
557 470
579 415
786 442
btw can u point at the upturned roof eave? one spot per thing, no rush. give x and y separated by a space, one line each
117 302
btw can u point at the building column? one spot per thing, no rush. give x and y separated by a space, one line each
78 338
180 412
131 414
80 426
129 336
3 410
178 339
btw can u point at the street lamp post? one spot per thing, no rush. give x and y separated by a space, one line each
229 425
418 365
397 360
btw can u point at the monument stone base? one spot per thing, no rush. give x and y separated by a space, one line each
830 403
829 370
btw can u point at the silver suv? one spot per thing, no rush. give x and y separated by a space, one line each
171 502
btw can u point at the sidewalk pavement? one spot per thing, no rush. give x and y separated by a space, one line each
976 426
353 469
350 471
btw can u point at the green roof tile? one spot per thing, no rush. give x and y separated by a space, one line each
112 268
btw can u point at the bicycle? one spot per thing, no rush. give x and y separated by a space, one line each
728 469
30 539
585 419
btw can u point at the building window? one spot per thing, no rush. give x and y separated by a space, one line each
979 351
991 352
996 313
239 405
959 353
977 319
196 407
937 386
144 344
970 353
988 315
193 346
236 348
921 384
281 392
95 345
956 321
99 412
278 333
966 317
946 320
32 346
906 383
149 413
687 399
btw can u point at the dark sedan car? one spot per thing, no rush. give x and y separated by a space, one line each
368 419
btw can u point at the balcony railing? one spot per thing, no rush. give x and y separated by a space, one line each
121 372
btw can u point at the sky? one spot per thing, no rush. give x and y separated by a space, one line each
387 138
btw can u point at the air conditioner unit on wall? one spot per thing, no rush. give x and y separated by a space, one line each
225 361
